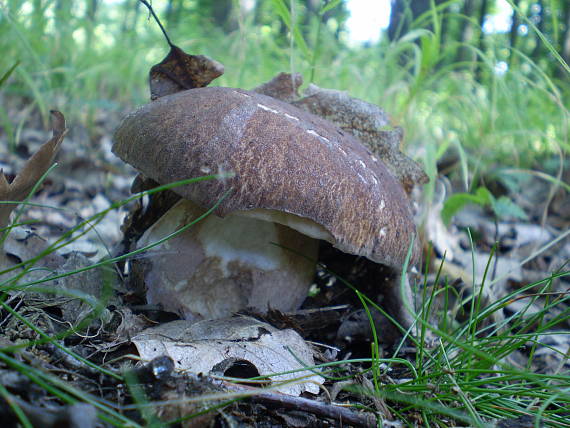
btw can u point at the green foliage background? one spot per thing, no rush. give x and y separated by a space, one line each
437 77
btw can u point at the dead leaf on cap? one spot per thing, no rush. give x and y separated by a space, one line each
213 346
370 124
179 71
284 87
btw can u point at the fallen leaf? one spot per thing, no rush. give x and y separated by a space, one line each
213 346
24 244
33 170
91 284
21 187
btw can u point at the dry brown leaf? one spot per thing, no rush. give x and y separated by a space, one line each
284 87
370 124
179 71
212 346
33 170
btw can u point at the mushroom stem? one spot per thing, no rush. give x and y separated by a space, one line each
224 265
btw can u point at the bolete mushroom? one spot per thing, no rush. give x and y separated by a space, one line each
296 179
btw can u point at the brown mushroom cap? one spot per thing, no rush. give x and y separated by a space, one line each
284 159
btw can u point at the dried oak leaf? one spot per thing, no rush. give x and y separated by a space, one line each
284 87
370 124
179 71
214 346
20 188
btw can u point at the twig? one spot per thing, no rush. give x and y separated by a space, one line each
324 410
151 10
341 414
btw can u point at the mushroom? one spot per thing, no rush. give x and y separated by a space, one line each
297 179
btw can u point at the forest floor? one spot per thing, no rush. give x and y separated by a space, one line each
64 360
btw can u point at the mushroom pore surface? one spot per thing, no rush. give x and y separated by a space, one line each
221 266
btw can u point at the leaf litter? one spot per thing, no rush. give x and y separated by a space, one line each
333 316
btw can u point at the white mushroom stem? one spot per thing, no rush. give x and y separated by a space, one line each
222 265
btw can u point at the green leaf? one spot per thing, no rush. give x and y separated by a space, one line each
329 6
413 35
504 207
513 182
457 202
8 73
485 197
283 12
442 148
430 51
464 165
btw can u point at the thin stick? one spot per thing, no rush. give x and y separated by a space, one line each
338 413
341 414
151 10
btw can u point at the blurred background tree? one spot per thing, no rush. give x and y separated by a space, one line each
461 25
487 76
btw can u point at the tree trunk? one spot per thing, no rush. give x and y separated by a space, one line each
89 21
130 17
513 34
484 7
38 17
465 54
404 12
221 12
565 39
538 47
63 16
